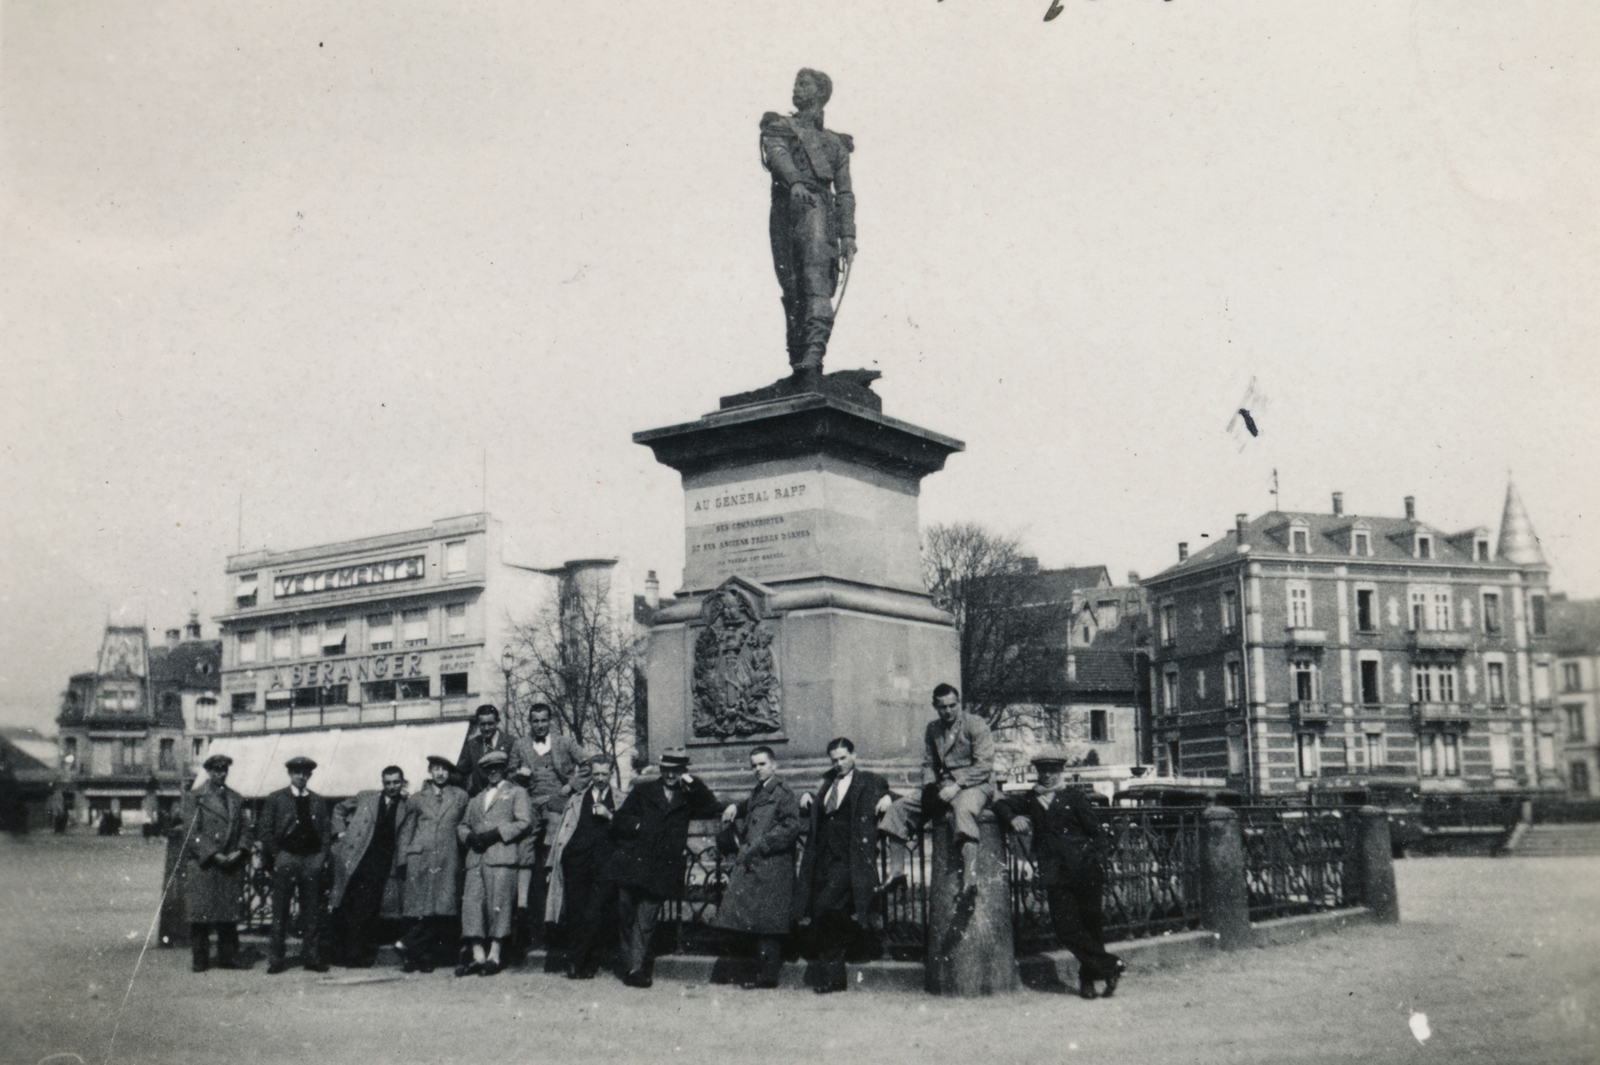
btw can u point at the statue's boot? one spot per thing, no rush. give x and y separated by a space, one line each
817 330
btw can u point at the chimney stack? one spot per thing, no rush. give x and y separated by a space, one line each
1239 522
1133 576
652 591
1028 563
1338 503
1411 508
191 631
1183 551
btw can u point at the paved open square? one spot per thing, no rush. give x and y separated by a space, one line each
1501 955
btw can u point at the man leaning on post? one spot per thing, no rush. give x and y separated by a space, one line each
294 835
957 775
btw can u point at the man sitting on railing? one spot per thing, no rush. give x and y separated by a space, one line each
1063 836
957 775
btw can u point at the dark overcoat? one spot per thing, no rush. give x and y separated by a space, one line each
354 821
473 748
760 894
213 825
1067 842
431 852
860 802
652 834
278 815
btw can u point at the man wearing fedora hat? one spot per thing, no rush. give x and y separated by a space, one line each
652 830
293 834
430 853
496 819
216 851
1062 831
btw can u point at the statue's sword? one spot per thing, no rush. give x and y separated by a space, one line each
843 285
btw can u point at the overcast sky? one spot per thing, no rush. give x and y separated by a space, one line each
324 257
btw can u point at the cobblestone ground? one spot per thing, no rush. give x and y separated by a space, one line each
1501 955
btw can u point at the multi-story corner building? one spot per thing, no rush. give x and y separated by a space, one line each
125 726
1575 638
1310 646
406 627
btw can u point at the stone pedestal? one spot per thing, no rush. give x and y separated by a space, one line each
802 615
970 946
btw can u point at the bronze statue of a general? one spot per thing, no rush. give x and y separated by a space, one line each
813 219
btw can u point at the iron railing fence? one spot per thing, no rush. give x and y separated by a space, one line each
1299 861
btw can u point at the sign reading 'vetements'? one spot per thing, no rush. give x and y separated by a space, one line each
759 529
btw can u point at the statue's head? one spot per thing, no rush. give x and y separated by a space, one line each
812 88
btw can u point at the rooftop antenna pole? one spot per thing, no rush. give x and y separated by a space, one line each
241 522
1274 488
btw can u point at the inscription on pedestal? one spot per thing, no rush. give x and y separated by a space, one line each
755 528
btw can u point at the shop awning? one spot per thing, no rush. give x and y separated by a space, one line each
348 760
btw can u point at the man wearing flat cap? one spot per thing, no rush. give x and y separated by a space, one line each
496 820
651 831
293 834
431 856
583 904
366 849
1061 827
216 853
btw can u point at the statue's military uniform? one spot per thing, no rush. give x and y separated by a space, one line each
805 237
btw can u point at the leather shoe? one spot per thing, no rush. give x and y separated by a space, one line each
1113 979
1086 988
489 968
276 967
317 966
639 978
759 985
467 968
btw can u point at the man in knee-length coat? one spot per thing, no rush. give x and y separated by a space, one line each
430 853
496 820
760 892
366 852
216 851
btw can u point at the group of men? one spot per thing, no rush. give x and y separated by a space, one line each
517 834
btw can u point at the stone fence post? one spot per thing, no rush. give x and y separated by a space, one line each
1375 864
1224 893
970 950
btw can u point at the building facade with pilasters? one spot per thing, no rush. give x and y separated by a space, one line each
1304 649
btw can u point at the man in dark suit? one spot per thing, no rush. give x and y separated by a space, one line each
486 736
838 874
216 853
652 831
294 834
584 905
1065 840
365 852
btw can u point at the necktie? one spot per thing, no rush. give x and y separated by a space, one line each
832 805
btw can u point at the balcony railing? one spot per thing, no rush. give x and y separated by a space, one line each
1439 713
1309 712
1302 637
1440 640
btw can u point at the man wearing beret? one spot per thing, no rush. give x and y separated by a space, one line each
651 831
496 819
366 848
431 855
216 852
1062 830
294 834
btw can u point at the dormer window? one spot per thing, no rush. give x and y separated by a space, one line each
1424 546
1480 549
1361 544
1300 541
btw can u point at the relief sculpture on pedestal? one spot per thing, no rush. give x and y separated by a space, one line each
736 690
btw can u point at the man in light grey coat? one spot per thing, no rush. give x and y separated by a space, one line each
430 859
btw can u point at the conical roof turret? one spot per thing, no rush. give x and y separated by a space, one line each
1519 544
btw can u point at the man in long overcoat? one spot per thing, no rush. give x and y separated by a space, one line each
759 900
839 875
652 831
486 736
430 853
366 849
578 898
1065 840
496 820
543 762
294 834
216 852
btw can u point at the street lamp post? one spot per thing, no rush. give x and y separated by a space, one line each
508 662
